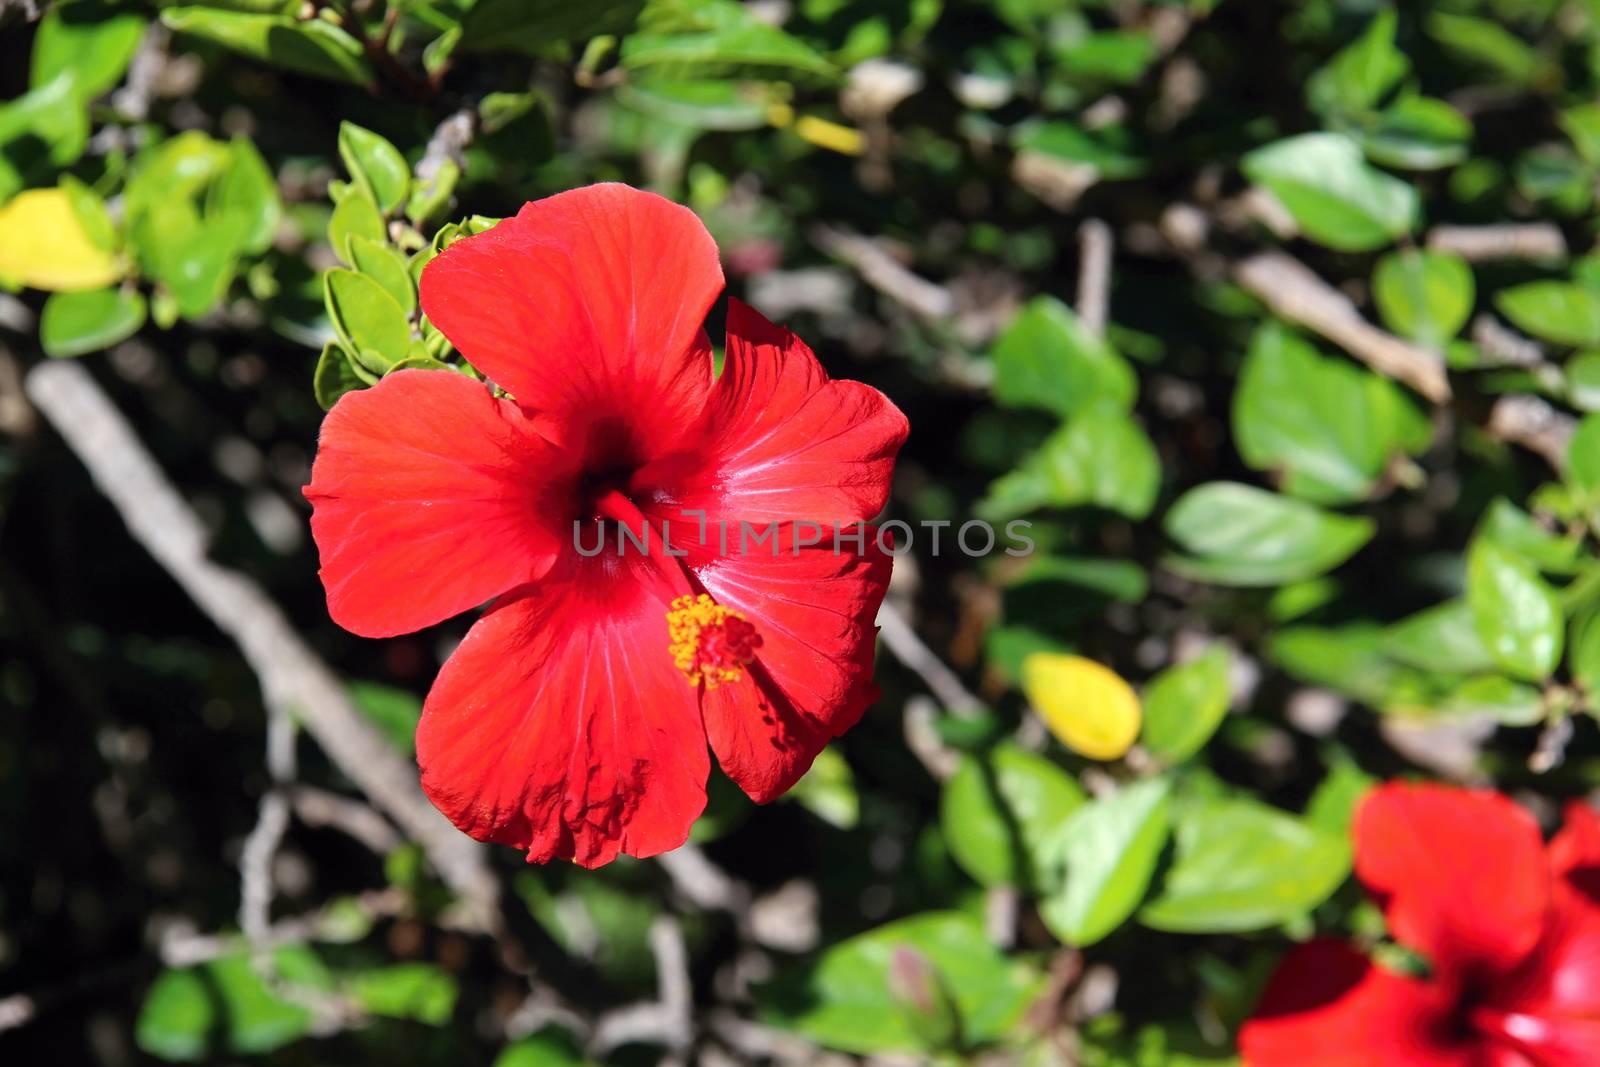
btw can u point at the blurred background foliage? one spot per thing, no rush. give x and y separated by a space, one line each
1277 320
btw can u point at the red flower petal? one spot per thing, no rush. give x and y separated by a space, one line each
1550 1008
1328 1006
784 442
587 306
1575 850
812 678
1461 874
561 726
429 497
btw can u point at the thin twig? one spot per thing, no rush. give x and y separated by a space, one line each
911 650
1528 421
1094 275
1509 240
319 807
289 669
885 273
1295 293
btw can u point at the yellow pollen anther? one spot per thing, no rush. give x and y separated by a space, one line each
710 643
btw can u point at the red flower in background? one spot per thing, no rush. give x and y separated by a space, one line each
1509 927
573 719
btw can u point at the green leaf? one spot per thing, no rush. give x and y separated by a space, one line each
1329 425
828 790
1334 196
1119 57
922 1000
74 324
1562 312
90 42
1441 638
355 215
367 318
1102 458
1486 44
375 164
541 1051
1361 73
228 1000
999 814
310 46
703 104
1583 381
1241 535
1418 133
1332 806
193 260
1585 654
1425 296
1047 359
1349 659
417 991
842 1001
1109 850
1510 527
530 25
1106 151
710 36
1506 701
1241 865
1582 125
51 116
1518 616
1583 462
1184 705
244 197
387 267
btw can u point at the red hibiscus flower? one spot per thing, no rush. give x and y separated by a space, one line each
573 719
1509 928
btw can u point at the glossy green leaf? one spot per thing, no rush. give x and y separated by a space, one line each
1330 426
375 164
226 1000
1502 699
1583 462
1333 803
1240 535
1425 296
417 991
245 196
1563 312
1510 527
309 46
1047 359
710 35
1361 73
1000 813
1241 865
1184 705
1108 850
1418 133
366 317
90 42
336 375
73 324
1518 616
1441 638
52 116
387 267
355 215
1102 458
1583 381
842 1001
1336 198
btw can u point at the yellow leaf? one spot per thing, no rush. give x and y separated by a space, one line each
1089 707
830 135
44 245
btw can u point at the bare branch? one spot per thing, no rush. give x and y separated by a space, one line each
911 650
1535 425
1509 240
1291 290
885 273
1094 275
290 671
319 807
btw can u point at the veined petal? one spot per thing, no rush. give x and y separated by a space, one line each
814 607
1425 852
1329 1006
588 307
783 441
429 497
561 726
